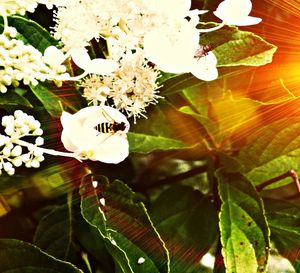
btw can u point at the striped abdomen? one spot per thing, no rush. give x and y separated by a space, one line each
104 128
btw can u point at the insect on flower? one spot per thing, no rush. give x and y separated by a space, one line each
203 50
97 133
111 126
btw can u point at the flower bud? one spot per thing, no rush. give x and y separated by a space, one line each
38 132
25 129
40 158
25 157
7 166
16 151
6 151
17 162
39 141
11 171
35 163
28 164
9 130
38 152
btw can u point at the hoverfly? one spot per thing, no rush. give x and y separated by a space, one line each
112 126
203 50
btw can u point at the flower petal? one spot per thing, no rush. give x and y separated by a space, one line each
53 56
76 137
180 8
235 12
102 66
89 117
175 51
246 21
198 12
79 134
205 68
80 57
113 149
69 125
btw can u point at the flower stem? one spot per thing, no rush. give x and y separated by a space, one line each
47 151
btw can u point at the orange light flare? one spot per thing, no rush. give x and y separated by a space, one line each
280 26
276 84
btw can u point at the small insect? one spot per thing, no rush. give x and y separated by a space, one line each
110 127
203 50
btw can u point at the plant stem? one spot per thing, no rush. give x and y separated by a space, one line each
175 178
290 173
219 266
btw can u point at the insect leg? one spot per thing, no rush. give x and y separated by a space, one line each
107 116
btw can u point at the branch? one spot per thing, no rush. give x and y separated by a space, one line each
175 178
290 173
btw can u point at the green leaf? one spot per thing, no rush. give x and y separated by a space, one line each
234 47
164 129
244 230
12 98
18 256
272 151
124 225
211 127
54 232
187 221
88 237
32 33
180 82
143 143
221 115
284 222
50 101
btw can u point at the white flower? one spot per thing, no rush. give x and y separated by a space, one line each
53 56
80 135
12 153
96 66
236 12
134 86
95 89
9 7
75 25
175 52
180 8
172 50
20 62
205 68
50 3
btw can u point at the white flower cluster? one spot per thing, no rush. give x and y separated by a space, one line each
9 7
12 154
97 133
124 24
132 87
139 33
20 62
143 37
